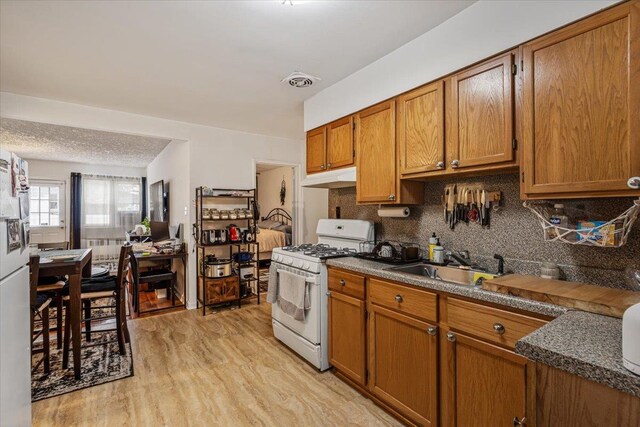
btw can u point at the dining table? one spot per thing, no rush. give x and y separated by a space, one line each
75 264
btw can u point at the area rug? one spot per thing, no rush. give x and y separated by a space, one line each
100 364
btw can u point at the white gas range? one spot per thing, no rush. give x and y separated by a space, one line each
336 238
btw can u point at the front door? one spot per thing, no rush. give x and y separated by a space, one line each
47 211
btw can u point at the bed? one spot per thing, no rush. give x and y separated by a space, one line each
274 232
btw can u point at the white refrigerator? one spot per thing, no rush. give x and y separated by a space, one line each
15 330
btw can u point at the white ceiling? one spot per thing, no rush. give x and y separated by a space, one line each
217 63
32 140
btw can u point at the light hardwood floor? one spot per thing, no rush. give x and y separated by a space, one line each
225 369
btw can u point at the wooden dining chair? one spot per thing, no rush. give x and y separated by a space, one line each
54 285
39 311
59 246
100 288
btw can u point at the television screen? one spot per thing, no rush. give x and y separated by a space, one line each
158 206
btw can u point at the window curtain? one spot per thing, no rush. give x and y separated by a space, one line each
111 206
75 213
143 183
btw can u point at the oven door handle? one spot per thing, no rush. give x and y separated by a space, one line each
313 280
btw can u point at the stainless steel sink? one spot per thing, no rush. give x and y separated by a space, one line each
462 276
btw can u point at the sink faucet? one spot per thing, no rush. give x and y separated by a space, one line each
500 264
461 258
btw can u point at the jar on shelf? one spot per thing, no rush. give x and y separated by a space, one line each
206 213
214 213
224 214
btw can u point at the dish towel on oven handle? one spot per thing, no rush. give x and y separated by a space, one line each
293 294
272 286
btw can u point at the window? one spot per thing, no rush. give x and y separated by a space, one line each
111 202
45 204
110 206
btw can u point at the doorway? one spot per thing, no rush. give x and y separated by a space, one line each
277 219
47 211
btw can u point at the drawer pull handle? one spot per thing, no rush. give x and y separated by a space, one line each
451 336
399 298
432 330
498 328
342 282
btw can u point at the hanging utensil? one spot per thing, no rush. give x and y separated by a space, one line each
446 203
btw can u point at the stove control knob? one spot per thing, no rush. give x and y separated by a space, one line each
306 266
297 264
288 260
276 257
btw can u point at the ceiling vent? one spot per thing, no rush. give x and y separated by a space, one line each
299 79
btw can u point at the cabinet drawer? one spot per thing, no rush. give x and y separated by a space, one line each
493 324
347 283
405 299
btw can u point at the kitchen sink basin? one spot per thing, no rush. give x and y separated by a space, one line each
462 276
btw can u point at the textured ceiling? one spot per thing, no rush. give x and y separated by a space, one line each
32 140
216 63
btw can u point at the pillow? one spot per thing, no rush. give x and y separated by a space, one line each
269 224
283 227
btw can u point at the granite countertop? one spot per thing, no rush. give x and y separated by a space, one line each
584 344
379 269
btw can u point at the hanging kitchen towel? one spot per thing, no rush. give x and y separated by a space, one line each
272 286
293 295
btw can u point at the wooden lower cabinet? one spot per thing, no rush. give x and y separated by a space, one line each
452 374
484 385
570 401
403 364
347 337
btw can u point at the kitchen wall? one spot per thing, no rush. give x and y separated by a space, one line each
483 29
514 232
269 183
61 171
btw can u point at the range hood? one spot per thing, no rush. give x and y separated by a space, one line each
339 178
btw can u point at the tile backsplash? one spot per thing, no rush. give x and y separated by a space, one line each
514 233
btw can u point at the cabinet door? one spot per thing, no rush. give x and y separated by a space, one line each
567 400
403 364
421 129
340 150
486 385
376 161
316 150
581 101
347 351
481 115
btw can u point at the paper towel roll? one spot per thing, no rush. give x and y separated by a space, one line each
394 212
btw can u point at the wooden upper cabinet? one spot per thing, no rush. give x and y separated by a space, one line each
581 104
420 129
376 179
480 112
403 364
340 147
487 386
316 150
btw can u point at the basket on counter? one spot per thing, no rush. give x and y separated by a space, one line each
610 234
